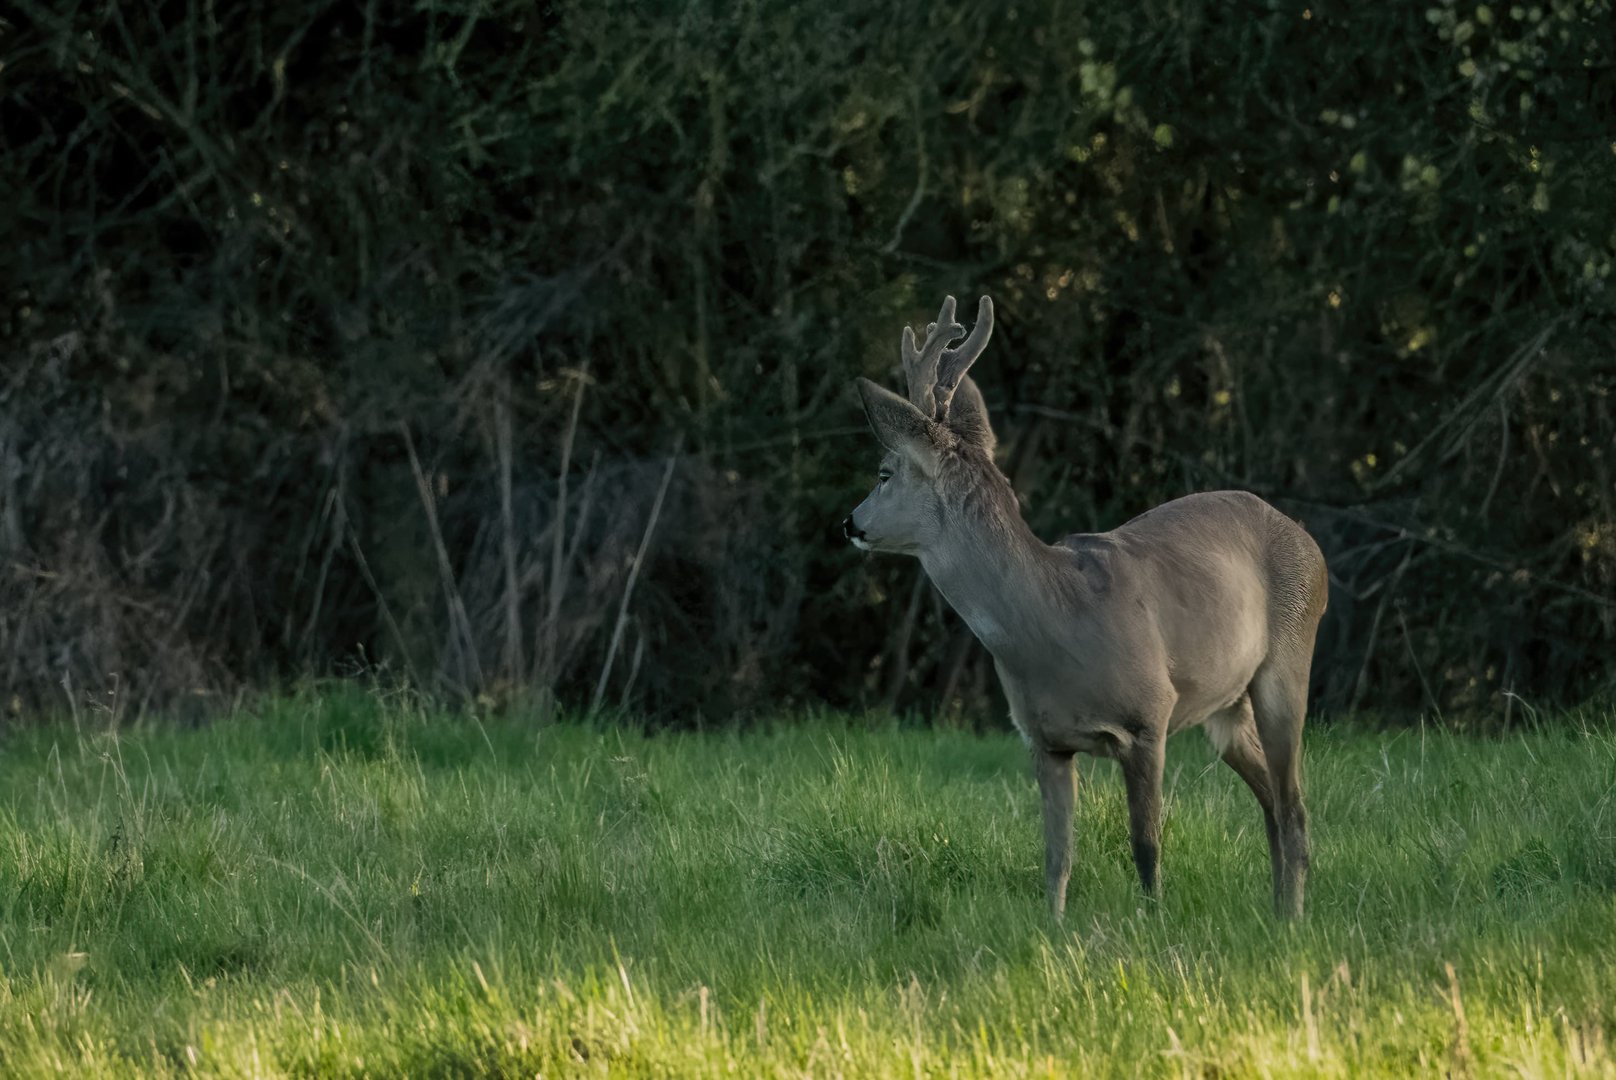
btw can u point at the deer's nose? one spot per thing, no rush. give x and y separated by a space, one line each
850 530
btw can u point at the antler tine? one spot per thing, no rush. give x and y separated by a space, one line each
954 363
920 365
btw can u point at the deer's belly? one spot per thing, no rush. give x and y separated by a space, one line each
1068 723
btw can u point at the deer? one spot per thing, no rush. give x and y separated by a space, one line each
1201 611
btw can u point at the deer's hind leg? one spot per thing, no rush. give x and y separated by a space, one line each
1233 732
1279 699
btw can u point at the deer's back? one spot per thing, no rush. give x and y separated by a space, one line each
1221 579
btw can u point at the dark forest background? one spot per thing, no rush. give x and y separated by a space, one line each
506 347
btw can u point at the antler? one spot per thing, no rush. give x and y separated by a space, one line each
935 370
921 365
953 365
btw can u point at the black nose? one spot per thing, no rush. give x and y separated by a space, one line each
850 530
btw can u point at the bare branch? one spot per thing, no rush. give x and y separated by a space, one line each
633 576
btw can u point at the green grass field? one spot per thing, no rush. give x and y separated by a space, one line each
338 885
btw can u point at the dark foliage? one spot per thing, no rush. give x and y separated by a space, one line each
507 344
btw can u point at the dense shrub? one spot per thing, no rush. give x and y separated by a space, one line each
344 330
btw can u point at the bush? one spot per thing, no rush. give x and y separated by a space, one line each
352 327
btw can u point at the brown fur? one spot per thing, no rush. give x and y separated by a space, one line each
1202 610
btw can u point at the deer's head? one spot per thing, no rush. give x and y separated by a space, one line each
935 439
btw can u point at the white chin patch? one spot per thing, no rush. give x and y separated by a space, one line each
859 543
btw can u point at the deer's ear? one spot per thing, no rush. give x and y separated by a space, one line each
900 426
968 416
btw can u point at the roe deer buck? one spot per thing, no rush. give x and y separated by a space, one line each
1201 610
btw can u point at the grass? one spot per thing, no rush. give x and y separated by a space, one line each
340 885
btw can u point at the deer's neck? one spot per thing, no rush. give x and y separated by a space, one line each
999 577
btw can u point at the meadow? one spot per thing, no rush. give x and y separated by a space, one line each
349 884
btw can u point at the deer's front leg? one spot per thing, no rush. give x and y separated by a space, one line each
1142 766
1057 784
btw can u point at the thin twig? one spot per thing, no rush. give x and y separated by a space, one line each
1362 682
557 584
1449 547
1503 456
381 600
633 671
451 590
1496 384
900 651
919 195
1408 642
633 576
507 518
333 507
